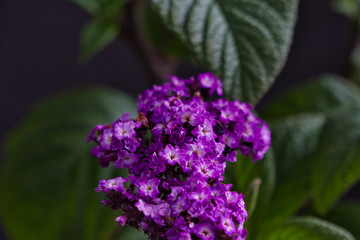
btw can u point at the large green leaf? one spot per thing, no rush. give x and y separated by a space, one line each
337 161
322 94
347 214
244 42
48 174
293 139
309 228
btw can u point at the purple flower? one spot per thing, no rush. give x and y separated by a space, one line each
126 159
105 156
179 236
230 139
121 220
205 231
187 163
179 86
116 184
188 114
176 152
227 224
203 170
179 206
124 129
105 138
143 207
131 144
171 155
149 188
195 150
204 130
208 81
93 135
176 192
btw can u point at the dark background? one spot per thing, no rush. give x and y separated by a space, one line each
39 55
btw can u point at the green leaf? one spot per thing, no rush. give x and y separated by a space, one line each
165 41
96 35
355 64
244 42
322 94
102 8
48 174
349 8
110 8
242 174
309 228
288 198
103 28
91 6
337 161
347 214
293 140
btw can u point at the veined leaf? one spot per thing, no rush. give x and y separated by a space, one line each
48 174
337 161
309 228
293 139
337 158
322 94
244 42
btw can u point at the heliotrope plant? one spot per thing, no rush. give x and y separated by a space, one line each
176 148
176 152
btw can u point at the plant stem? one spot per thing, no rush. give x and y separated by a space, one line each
157 66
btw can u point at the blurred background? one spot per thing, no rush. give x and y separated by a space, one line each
39 46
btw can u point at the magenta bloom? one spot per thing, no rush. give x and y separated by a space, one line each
176 152
171 155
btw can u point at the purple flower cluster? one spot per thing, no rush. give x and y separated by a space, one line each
176 152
